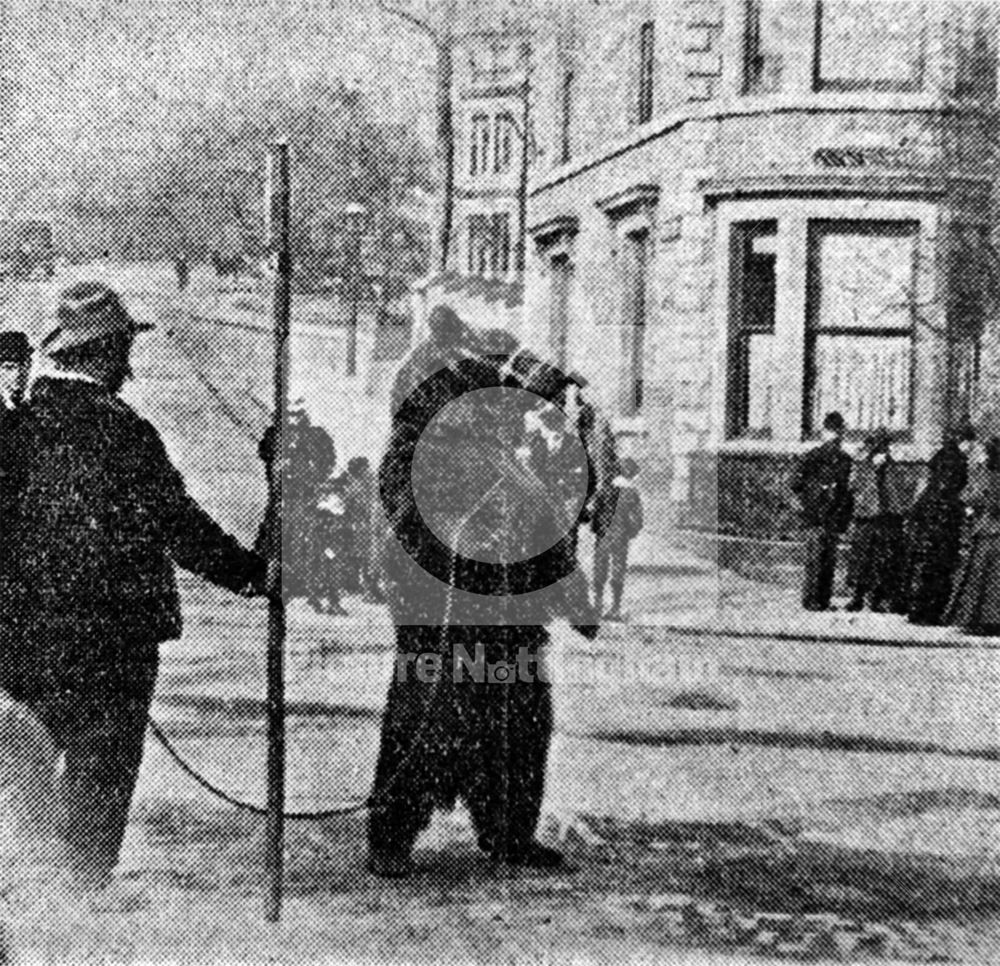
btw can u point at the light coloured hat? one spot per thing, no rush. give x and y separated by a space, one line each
87 312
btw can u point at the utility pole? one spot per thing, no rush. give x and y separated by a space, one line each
355 214
279 244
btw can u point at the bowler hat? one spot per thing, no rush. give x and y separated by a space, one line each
14 347
87 312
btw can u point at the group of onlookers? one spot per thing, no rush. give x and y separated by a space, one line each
332 528
933 556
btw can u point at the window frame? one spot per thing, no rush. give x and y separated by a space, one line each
562 272
842 85
816 227
751 75
503 142
635 322
489 243
645 88
737 407
479 144
566 97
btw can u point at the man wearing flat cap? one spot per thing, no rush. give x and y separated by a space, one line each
100 518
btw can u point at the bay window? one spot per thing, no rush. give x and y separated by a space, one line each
861 310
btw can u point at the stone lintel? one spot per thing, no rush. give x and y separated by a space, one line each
630 200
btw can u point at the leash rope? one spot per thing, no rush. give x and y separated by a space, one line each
346 808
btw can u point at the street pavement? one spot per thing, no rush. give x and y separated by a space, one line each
729 776
717 794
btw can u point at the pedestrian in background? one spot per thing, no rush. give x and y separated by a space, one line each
975 601
821 482
100 517
877 540
312 513
935 530
617 522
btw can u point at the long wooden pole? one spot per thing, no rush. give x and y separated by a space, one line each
279 243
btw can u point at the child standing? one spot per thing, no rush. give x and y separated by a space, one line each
616 522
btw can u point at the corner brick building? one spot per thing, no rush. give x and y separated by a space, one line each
745 213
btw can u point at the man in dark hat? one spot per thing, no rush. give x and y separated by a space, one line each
15 364
821 481
100 518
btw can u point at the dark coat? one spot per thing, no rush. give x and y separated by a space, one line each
99 517
822 481
618 515
935 535
975 601
878 490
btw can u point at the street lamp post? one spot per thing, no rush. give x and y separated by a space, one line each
355 214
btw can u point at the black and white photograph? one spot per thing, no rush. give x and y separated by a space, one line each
499 481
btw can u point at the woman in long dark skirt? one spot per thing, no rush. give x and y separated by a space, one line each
935 531
975 602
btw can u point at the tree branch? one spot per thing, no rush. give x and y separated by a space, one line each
411 19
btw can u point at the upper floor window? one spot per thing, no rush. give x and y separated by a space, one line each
479 144
503 143
489 244
491 144
497 59
765 44
876 46
647 61
566 117
976 74
635 264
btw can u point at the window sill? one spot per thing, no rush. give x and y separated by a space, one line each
902 452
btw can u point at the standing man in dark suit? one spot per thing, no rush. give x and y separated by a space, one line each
100 517
822 482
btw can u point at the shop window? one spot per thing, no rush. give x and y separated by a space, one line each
753 376
869 46
765 45
479 144
861 309
635 259
489 244
647 62
562 284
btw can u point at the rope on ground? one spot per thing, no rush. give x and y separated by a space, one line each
347 808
